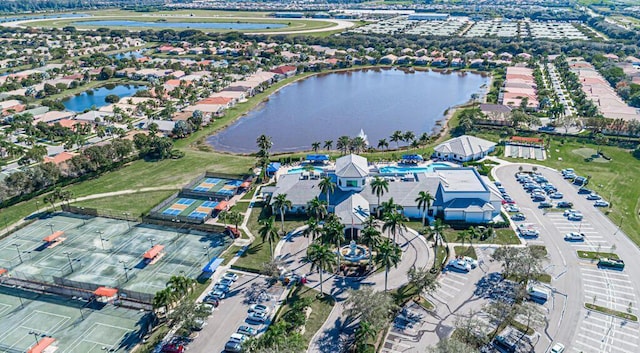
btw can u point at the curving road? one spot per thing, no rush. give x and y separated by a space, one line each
331 337
576 281
338 24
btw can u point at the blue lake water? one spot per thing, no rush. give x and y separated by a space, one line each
193 25
325 107
128 55
85 100
37 17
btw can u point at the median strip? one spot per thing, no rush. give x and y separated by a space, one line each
607 311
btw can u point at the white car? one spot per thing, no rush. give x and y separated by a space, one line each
557 348
570 212
529 233
259 308
230 276
513 208
238 337
574 236
471 261
601 203
257 317
460 265
575 217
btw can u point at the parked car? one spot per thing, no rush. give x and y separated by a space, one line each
529 232
230 276
569 176
556 195
601 203
471 261
564 204
208 307
570 211
557 348
609 262
497 183
259 308
460 265
584 191
537 198
594 197
225 282
574 236
247 330
198 324
518 217
567 170
220 294
579 180
233 347
545 204
210 299
220 287
513 208
257 316
575 217
238 337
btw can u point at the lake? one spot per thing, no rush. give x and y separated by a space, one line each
193 25
325 107
86 100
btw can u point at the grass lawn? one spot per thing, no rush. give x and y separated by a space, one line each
469 251
257 254
607 311
137 204
594 255
320 309
503 236
229 254
241 207
154 338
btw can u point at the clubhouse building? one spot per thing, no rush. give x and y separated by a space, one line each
460 194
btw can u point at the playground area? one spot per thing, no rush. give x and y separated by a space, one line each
193 208
35 321
86 252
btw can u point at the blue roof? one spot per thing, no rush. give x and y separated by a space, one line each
416 157
317 157
212 265
273 167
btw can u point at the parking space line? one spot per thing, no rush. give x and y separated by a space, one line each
455 289
449 279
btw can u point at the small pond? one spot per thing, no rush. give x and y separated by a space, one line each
86 100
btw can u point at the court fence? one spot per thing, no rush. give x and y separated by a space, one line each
94 212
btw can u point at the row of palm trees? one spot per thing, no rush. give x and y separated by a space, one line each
357 144
177 288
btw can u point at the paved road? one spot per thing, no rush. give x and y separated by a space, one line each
577 281
332 335
232 313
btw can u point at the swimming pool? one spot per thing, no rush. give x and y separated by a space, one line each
414 169
302 169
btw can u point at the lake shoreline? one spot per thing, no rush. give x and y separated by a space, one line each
439 124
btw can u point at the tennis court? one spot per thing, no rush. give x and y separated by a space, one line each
77 326
106 252
220 186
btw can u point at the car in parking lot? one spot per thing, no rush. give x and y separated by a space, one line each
564 204
610 262
570 211
217 293
557 348
601 203
225 282
574 236
513 208
583 190
538 197
594 197
233 347
460 265
518 217
230 276
208 307
198 324
257 316
238 337
220 287
556 195
212 300
247 330
569 175
545 204
259 308
471 261
529 232
575 217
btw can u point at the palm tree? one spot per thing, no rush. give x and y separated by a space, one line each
343 144
462 236
315 146
424 200
264 142
179 285
382 143
328 145
436 234
390 206
162 298
396 137
388 255
327 186
235 217
364 333
379 186
372 238
312 230
409 136
317 208
321 258
394 222
268 231
282 204
333 232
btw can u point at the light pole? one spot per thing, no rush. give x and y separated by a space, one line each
124 266
206 248
18 250
151 240
35 335
102 240
69 258
127 214
21 302
50 227
37 206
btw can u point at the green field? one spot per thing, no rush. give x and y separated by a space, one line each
136 204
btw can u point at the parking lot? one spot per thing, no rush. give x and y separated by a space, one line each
578 281
232 312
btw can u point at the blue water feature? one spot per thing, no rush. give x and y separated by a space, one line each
87 100
128 55
412 169
193 25
38 17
